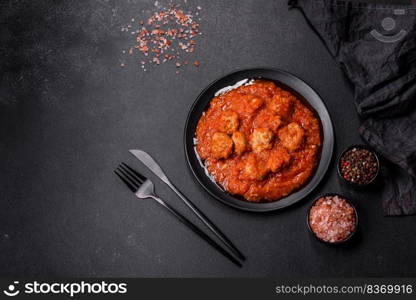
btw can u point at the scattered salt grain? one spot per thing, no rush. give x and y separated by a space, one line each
167 29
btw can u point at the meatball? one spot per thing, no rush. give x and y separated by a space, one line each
282 104
255 103
240 142
253 169
267 119
261 139
279 158
221 145
291 136
228 122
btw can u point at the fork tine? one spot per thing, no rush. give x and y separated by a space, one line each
135 172
127 182
131 175
136 183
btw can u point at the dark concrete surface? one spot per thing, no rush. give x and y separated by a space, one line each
69 113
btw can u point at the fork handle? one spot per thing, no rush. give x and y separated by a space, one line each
197 230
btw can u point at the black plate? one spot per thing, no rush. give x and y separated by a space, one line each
286 81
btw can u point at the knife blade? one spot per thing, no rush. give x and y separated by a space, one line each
151 164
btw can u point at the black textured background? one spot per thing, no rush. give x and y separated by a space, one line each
69 113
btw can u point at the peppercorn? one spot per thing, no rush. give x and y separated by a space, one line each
359 166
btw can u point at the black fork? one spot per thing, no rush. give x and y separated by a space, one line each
143 188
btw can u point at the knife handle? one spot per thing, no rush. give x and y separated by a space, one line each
211 226
197 230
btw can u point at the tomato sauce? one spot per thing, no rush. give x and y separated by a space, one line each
259 141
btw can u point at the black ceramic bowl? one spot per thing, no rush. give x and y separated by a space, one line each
286 81
354 184
349 238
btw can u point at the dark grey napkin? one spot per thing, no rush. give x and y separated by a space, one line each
375 44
